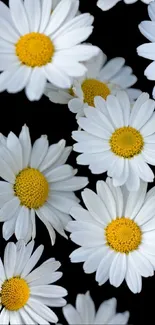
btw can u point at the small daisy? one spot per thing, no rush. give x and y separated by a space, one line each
118 138
37 181
85 312
147 50
25 294
116 234
108 4
101 79
36 45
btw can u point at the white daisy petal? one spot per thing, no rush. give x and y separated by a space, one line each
8 33
5 12
15 318
2 271
120 319
36 85
60 173
93 261
25 141
71 315
54 152
15 148
118 269
62 203
30 314
111 68
52 291
144 267
10 259
96 207
19 16
106 311
139 102
46 11
39 151
115 114
42 311
72 38
133 278
9 227
135 201
48 226
6 172
81 254
19 80
7 60
25 257
22 223
52 218
57 77
85 307
58 16
102 273
144 113
32 261
34 14
9 209
72 184
4 317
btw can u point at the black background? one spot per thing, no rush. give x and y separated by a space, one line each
116 33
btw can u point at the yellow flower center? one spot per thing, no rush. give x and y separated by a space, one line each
92 88
31 187
15 293
35 49
126 142
123 235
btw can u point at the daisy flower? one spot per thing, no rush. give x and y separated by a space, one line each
36 46
108 4
147 50
102 78
116 234
118 138
25 294
37 181
85 312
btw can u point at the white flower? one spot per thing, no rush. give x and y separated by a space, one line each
147 50
101 79
119 139
36 45
116 234
108 4
85 312
25 294
37 182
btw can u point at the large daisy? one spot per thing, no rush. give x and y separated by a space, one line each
147 50
36 45
116 234
37 182
25 293
102 78
118 138
85 312
108 4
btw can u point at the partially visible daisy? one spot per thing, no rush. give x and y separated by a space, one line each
102 78
118 138
116 234
147 50
25 293
108 4
85 312
39 42
37 182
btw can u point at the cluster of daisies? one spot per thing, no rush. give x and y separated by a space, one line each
43 50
